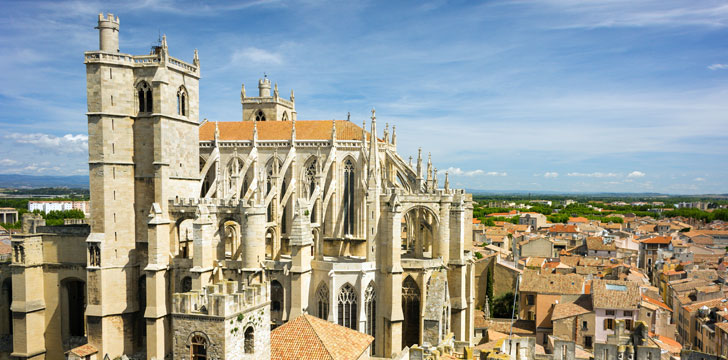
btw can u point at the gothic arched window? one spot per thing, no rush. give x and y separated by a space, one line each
249 342
144 97
310 180
285 116
322 301
182 101
259 116
347 306
348 197
370 308
284 221
198 348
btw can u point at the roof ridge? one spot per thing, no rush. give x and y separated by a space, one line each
314 328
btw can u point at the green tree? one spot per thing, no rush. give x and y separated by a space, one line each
502 307
489 290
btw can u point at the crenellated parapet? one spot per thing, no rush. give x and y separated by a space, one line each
223 299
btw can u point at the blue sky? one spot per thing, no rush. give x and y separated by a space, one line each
565 95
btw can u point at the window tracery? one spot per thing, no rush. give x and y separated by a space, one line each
182 101
322 301
144 97
370 308
348 197
347 304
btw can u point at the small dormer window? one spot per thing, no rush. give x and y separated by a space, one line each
259 116
182 101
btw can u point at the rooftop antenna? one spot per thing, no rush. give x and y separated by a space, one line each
348 116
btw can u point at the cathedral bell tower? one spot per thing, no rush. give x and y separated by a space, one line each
143 151
265 107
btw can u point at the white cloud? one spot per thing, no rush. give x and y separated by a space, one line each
635 174
461 172
718 67
256 56
594 174
7 162
699 179
552 174
67 143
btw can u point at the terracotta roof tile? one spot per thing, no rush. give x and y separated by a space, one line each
582 305
281 130
552 283
310 338
665 240
597 243
615 294
560 228
656 302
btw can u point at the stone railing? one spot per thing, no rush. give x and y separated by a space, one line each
183 65
98 56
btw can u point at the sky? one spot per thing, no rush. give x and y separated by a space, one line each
542 95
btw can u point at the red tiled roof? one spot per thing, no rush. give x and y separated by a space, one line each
578 219
280 130
563 229
310 338
657 240
656 302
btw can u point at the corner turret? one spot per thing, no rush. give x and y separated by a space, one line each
108 33
264 87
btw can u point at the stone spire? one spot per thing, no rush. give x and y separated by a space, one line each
386 133
293 131
394 135
447 182
217 133
275 91
333 131
242 92
419 163
429 167
196 59
374 153
410 161
364 134
434 179
255 132
293 98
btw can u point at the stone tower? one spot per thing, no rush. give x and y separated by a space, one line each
143 131
265 107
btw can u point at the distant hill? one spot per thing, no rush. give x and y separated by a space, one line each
31 181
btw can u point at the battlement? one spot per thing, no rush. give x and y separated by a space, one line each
108 19
223 299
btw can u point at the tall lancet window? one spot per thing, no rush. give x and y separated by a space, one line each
322 301
370 308
348 197
182 101
347 306
269 187
144 97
